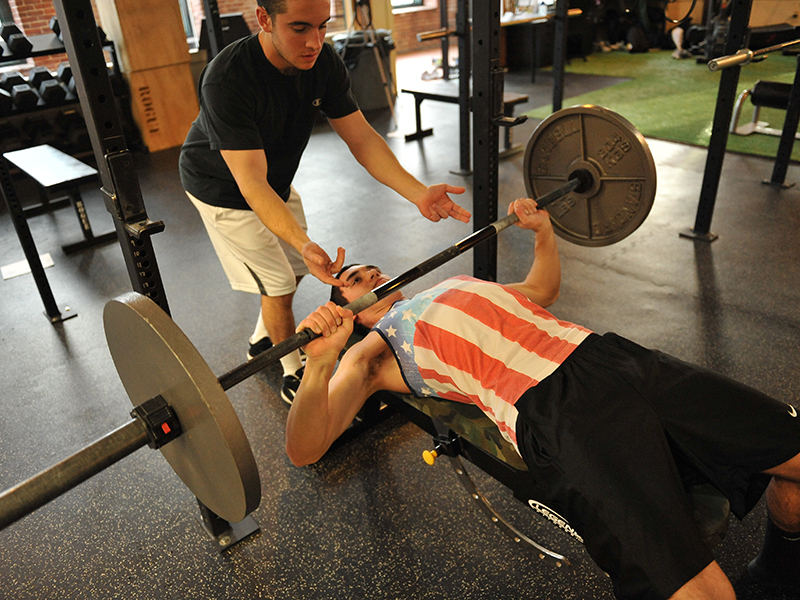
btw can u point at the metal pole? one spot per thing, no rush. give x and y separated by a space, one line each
790 122
559 53
123 196
213 28
487 108
726 97
464 75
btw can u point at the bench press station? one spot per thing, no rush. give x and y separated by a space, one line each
140 333
196 429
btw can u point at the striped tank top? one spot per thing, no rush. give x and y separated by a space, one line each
477 342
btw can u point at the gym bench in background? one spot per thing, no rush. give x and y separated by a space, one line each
56 173
440 94
769 94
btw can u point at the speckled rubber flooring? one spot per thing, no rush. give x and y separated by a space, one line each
371 520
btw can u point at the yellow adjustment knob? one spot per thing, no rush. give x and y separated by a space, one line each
429 456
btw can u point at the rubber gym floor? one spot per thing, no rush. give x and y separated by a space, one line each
371 520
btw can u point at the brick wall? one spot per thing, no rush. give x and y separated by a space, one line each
409 22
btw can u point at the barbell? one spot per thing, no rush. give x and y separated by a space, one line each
745 56
589 166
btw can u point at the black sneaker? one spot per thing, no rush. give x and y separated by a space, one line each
260 346
290 385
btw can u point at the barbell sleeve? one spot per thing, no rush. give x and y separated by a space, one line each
742 57
301 338
33 493
436 34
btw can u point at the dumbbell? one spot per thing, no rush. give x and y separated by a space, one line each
11 78
76 135
37 75
64 73
52 92
16 41
24 97
50 89
56 28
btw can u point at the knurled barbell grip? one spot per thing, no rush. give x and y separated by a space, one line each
278 351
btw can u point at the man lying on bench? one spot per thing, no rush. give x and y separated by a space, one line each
613 432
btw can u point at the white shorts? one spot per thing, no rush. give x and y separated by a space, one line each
254 259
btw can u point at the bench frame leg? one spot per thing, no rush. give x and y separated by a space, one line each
419 133
89 238
9 192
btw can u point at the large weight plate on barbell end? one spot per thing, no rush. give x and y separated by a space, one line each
613 152
153 356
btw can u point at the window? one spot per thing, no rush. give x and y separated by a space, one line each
188 22
406 3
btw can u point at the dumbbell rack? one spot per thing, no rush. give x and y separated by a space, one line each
43 45
60 124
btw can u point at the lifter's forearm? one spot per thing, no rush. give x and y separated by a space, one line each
546 268
543 282
273 212
308 424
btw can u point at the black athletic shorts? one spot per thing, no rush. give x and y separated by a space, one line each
615 436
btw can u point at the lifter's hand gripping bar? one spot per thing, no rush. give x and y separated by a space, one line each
578 181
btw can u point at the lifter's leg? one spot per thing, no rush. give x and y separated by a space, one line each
276 311
710 584
779 559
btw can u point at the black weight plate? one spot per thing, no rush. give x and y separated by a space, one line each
618 158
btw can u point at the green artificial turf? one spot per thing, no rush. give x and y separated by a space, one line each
675 99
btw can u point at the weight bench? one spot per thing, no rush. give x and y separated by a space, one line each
56 173
443 93
464 430
770 94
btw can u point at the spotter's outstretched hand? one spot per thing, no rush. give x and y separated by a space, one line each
434 203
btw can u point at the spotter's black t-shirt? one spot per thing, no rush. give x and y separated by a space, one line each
248 104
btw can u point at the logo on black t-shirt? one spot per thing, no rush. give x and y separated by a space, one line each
317 102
